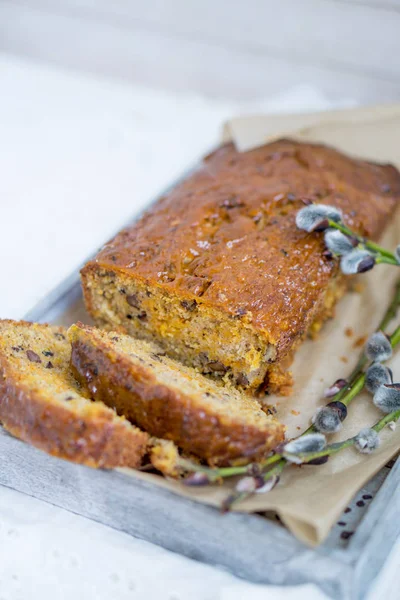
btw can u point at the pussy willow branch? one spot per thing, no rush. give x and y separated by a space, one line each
345 395
389 315
237 497
384 256
338 446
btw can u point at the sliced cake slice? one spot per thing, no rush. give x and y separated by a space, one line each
169 400
42 403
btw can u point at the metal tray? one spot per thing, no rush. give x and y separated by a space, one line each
255 547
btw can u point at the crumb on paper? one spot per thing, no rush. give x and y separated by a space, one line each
295 412
358 287
344 359
360 341
348 332
298 427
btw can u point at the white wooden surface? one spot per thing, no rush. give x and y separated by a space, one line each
229 49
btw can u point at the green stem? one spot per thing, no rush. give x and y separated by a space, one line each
392 309
212 473
393 416
355 389
395 337
238 497
338 446
387 260
328 451
367 243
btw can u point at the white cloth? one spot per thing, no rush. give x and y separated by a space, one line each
79 156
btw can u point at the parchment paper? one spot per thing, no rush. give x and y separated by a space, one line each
309 499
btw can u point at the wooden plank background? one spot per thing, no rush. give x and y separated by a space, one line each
220 48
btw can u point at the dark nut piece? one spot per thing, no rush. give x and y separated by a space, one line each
189 305
32 356
217 367
133 300
242 380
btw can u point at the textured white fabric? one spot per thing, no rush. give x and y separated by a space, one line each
78 157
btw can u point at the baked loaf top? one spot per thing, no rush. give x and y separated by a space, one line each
170 400
42 403
226 236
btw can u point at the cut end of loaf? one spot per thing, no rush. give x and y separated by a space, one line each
225 347
170 400
42 403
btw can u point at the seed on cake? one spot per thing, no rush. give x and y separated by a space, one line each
233 202
32 356
59 336
48 353
49 365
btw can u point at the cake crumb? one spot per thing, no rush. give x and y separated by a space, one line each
360 341
348 332
295 412
358 287
344 359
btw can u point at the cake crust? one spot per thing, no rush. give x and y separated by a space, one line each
224 242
